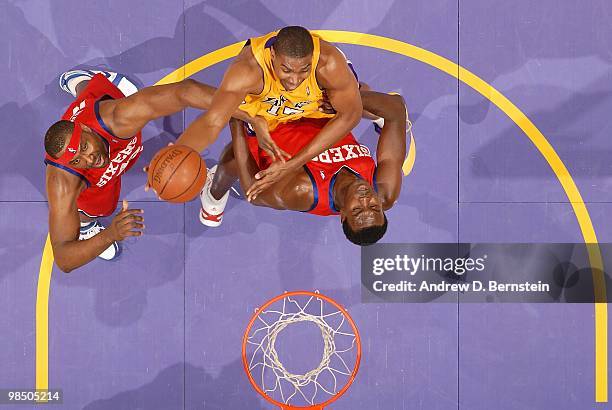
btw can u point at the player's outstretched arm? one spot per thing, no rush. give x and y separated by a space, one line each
129 115
70 253
239 80
391 148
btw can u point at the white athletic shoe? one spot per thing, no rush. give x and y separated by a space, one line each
69 80
95 228
211 213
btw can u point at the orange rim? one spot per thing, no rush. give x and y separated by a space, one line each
328 300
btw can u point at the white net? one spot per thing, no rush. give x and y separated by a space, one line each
338 359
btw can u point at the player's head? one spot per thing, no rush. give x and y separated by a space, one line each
363 219
76 145
292 56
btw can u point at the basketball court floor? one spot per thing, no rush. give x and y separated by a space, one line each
162 326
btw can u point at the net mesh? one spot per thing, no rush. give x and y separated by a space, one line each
335 366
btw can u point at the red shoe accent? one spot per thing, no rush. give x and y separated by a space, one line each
210 217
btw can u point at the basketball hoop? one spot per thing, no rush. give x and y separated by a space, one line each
316 388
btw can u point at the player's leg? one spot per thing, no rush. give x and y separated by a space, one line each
215 193
226 173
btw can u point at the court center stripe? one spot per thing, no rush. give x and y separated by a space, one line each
504 104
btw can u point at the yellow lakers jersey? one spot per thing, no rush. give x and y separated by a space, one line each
276 104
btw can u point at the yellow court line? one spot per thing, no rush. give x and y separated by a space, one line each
411 157
513 112
547 151
42 317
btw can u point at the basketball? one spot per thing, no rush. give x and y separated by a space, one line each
177 173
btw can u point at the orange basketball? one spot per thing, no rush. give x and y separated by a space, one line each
177 173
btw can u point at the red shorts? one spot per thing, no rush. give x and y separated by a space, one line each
291 137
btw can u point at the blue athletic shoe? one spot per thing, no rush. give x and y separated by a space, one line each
378 125
94 228
69 80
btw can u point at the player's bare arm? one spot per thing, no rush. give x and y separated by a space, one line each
285 194
129 115
242 77
334 75
70 252
391 148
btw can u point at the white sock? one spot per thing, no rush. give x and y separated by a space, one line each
126 87
216 202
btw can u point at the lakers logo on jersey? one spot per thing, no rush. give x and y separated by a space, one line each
282 106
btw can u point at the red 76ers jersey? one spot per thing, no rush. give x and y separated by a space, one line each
323 169
123 152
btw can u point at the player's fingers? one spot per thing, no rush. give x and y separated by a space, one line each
130 214
134 211
256 193
136 226
251 197
130 225
270 153
146 171
132 233
135 217
279 153
124 221
125 224
285 154
249 194
170 143
253 188
262 174
257 188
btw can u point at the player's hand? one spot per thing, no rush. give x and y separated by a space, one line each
128 222
325 106
146 171
265 141
266 179
147 185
